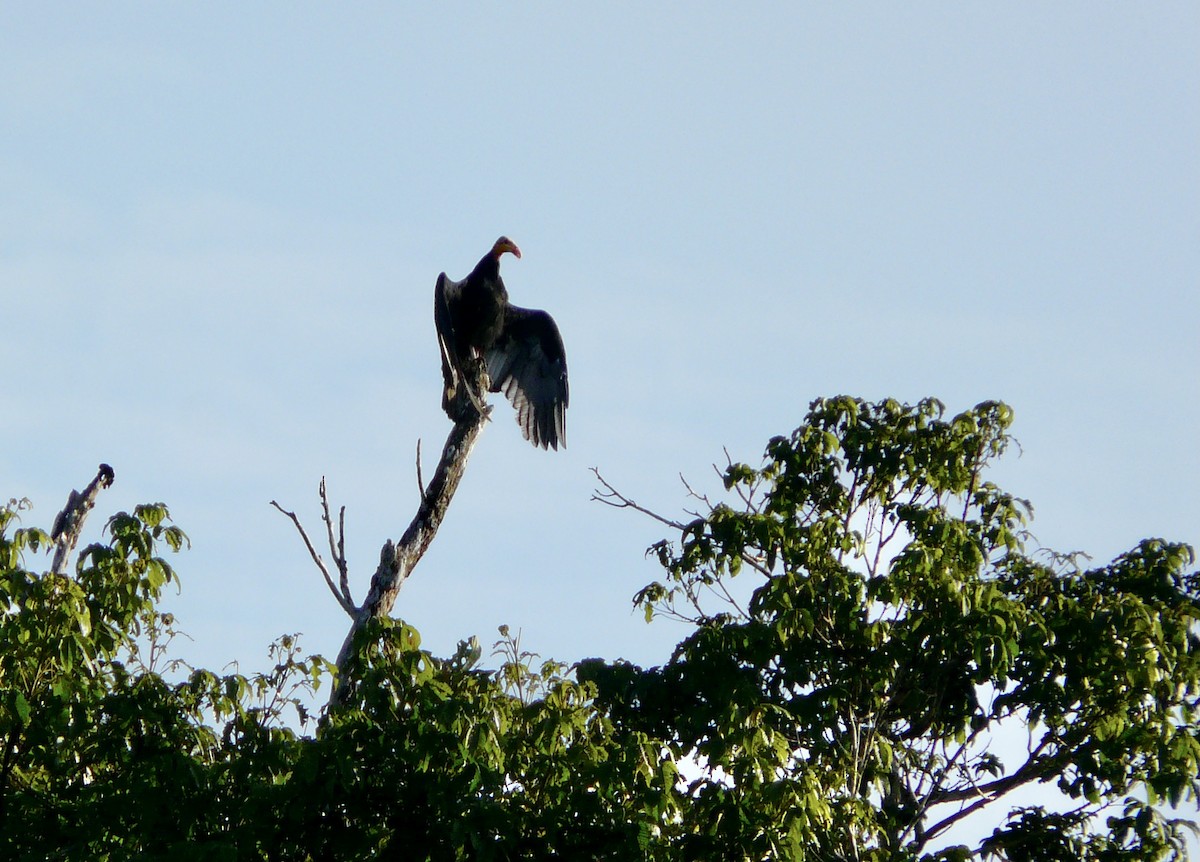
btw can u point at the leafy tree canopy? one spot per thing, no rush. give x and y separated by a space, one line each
874 655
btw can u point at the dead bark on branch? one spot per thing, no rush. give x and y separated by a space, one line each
396 559
69 523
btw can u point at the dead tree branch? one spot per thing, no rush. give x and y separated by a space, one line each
420 478
610 496
343 598
69 523
396 559
338 550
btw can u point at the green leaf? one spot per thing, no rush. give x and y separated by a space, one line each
21 707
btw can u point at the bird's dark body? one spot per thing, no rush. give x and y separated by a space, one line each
477 311
520 349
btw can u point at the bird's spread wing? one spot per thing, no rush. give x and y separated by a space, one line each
445 291
528 363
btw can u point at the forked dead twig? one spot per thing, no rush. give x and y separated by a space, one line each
343 600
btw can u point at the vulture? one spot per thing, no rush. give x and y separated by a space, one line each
519 350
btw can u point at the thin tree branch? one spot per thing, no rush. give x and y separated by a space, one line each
343 569
610 496
724 593
916 822
325 516
69 523
1032 770
692 493
420 479
346 604
935 830
337 550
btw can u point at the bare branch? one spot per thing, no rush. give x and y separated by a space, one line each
938 828
1034 769
337 549
758 562
324 497
346 604
397 560
341 555
724 592
69 523
703 498
916 823
610 496
420 479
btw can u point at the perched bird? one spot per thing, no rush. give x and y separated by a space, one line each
520 350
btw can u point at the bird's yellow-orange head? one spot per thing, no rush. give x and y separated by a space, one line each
505 244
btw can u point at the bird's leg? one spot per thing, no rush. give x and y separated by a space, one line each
462 385
461 403
474 387
485 410
462 396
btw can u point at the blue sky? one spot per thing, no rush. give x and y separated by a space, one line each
221 225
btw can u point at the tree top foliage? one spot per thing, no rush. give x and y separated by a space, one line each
875 658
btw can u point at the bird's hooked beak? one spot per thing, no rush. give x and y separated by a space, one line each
505 244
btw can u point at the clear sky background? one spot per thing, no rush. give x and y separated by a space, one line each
221 224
